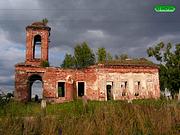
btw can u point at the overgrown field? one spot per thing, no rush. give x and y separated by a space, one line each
142 117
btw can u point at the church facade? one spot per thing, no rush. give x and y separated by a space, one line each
108 81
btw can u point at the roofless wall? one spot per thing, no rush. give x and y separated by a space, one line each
109 81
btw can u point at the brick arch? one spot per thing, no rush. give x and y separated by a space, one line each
31 79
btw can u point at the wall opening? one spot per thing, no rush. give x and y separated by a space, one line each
137 88
108 89
124 86
36 90
61 89
35 85
37 47
81 89
138 85
149 85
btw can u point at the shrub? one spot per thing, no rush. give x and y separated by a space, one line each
45 64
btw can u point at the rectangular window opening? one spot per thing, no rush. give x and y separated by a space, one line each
138 85
61 89
80 89
124 85
109 88
137 88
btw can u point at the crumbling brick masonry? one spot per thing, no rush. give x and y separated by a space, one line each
117 81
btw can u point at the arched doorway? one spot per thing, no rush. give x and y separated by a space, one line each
35 85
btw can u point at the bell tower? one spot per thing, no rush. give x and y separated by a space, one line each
37 40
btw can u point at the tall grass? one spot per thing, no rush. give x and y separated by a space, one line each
142 117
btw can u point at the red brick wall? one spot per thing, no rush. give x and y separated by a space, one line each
30 34
93 78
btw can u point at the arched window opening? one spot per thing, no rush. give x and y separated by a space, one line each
35 88
37 47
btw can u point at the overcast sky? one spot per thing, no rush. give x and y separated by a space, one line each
121 26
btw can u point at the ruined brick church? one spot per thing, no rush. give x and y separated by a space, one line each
108 81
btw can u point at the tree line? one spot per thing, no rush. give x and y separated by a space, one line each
84 56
